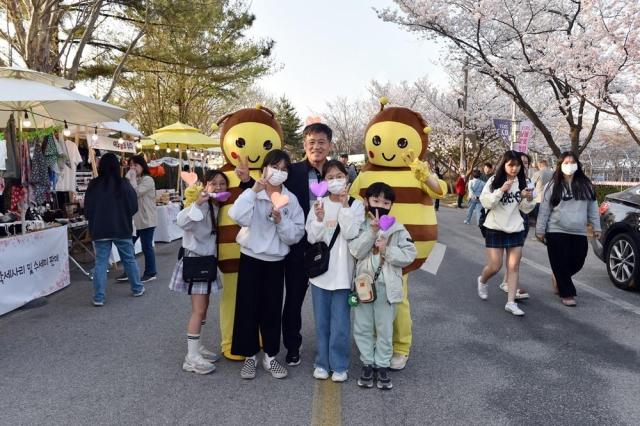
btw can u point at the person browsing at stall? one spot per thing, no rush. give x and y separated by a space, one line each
272 220
145 219
338 215
199 220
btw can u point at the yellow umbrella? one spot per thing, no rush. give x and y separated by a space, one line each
179 135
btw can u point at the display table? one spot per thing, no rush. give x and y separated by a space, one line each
32 265
167 229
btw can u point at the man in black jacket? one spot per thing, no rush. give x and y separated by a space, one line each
317 145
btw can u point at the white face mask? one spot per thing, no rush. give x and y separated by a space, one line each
569 168
277 177
336 186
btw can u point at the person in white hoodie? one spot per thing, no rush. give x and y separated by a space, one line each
268 227
568 205
504 196
199 221
338 215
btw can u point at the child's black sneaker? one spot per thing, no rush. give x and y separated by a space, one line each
366 378
384 381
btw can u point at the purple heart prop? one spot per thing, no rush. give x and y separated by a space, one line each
319 188
386 222
221 196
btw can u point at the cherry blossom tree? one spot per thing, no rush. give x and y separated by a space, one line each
579 58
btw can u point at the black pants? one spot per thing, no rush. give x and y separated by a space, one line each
436 204
296 283
258 306
567 254
460 198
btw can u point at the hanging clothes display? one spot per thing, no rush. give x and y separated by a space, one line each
67 178
13 153
39 178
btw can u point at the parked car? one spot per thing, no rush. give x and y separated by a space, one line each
619 246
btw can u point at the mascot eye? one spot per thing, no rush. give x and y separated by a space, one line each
402 143
240 142
376 140
267 145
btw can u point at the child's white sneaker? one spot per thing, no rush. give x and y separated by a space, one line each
320 373
207 354
483 290
339 377
197 365
514 309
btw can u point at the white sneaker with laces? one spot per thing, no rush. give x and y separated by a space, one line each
514 309
197 365
483 290
398 361
339 377
320 373
520 293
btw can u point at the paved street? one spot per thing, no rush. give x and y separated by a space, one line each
472 363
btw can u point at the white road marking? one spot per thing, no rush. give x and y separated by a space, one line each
589 289
434 260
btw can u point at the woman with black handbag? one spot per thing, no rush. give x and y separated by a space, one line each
199 251
332 222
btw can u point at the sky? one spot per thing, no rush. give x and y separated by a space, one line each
332 48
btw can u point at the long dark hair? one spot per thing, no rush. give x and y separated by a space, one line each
208 177
139 159
109 179
501 174
581 186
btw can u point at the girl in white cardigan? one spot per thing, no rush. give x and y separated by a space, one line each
330 290
199 221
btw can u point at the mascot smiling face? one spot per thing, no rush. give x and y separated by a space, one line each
394 132
249 133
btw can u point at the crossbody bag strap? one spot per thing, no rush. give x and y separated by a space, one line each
337 231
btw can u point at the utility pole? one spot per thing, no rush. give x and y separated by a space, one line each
463 162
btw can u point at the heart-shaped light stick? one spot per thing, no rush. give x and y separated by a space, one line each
279 200
386 222
189 177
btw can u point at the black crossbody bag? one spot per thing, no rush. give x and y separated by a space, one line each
198 269
316 257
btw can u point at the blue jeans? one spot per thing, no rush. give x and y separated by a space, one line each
333 323
128 259
474 204
146 240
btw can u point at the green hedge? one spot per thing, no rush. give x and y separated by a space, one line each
603 190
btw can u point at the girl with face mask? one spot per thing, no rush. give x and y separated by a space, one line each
272 220
330 290
568 205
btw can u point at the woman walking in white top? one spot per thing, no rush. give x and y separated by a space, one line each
269 227
336 214
504 196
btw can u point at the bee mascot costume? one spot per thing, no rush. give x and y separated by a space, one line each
396 142
246 136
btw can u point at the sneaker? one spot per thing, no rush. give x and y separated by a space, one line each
96 303
276 369
514 309
147 278
366 378
122 277
320 373
138 293
398 361
466 223
292 359
197 365
339 377
208 355
521 293
383 379
483 290
248 369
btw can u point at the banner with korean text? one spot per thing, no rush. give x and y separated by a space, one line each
32 265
